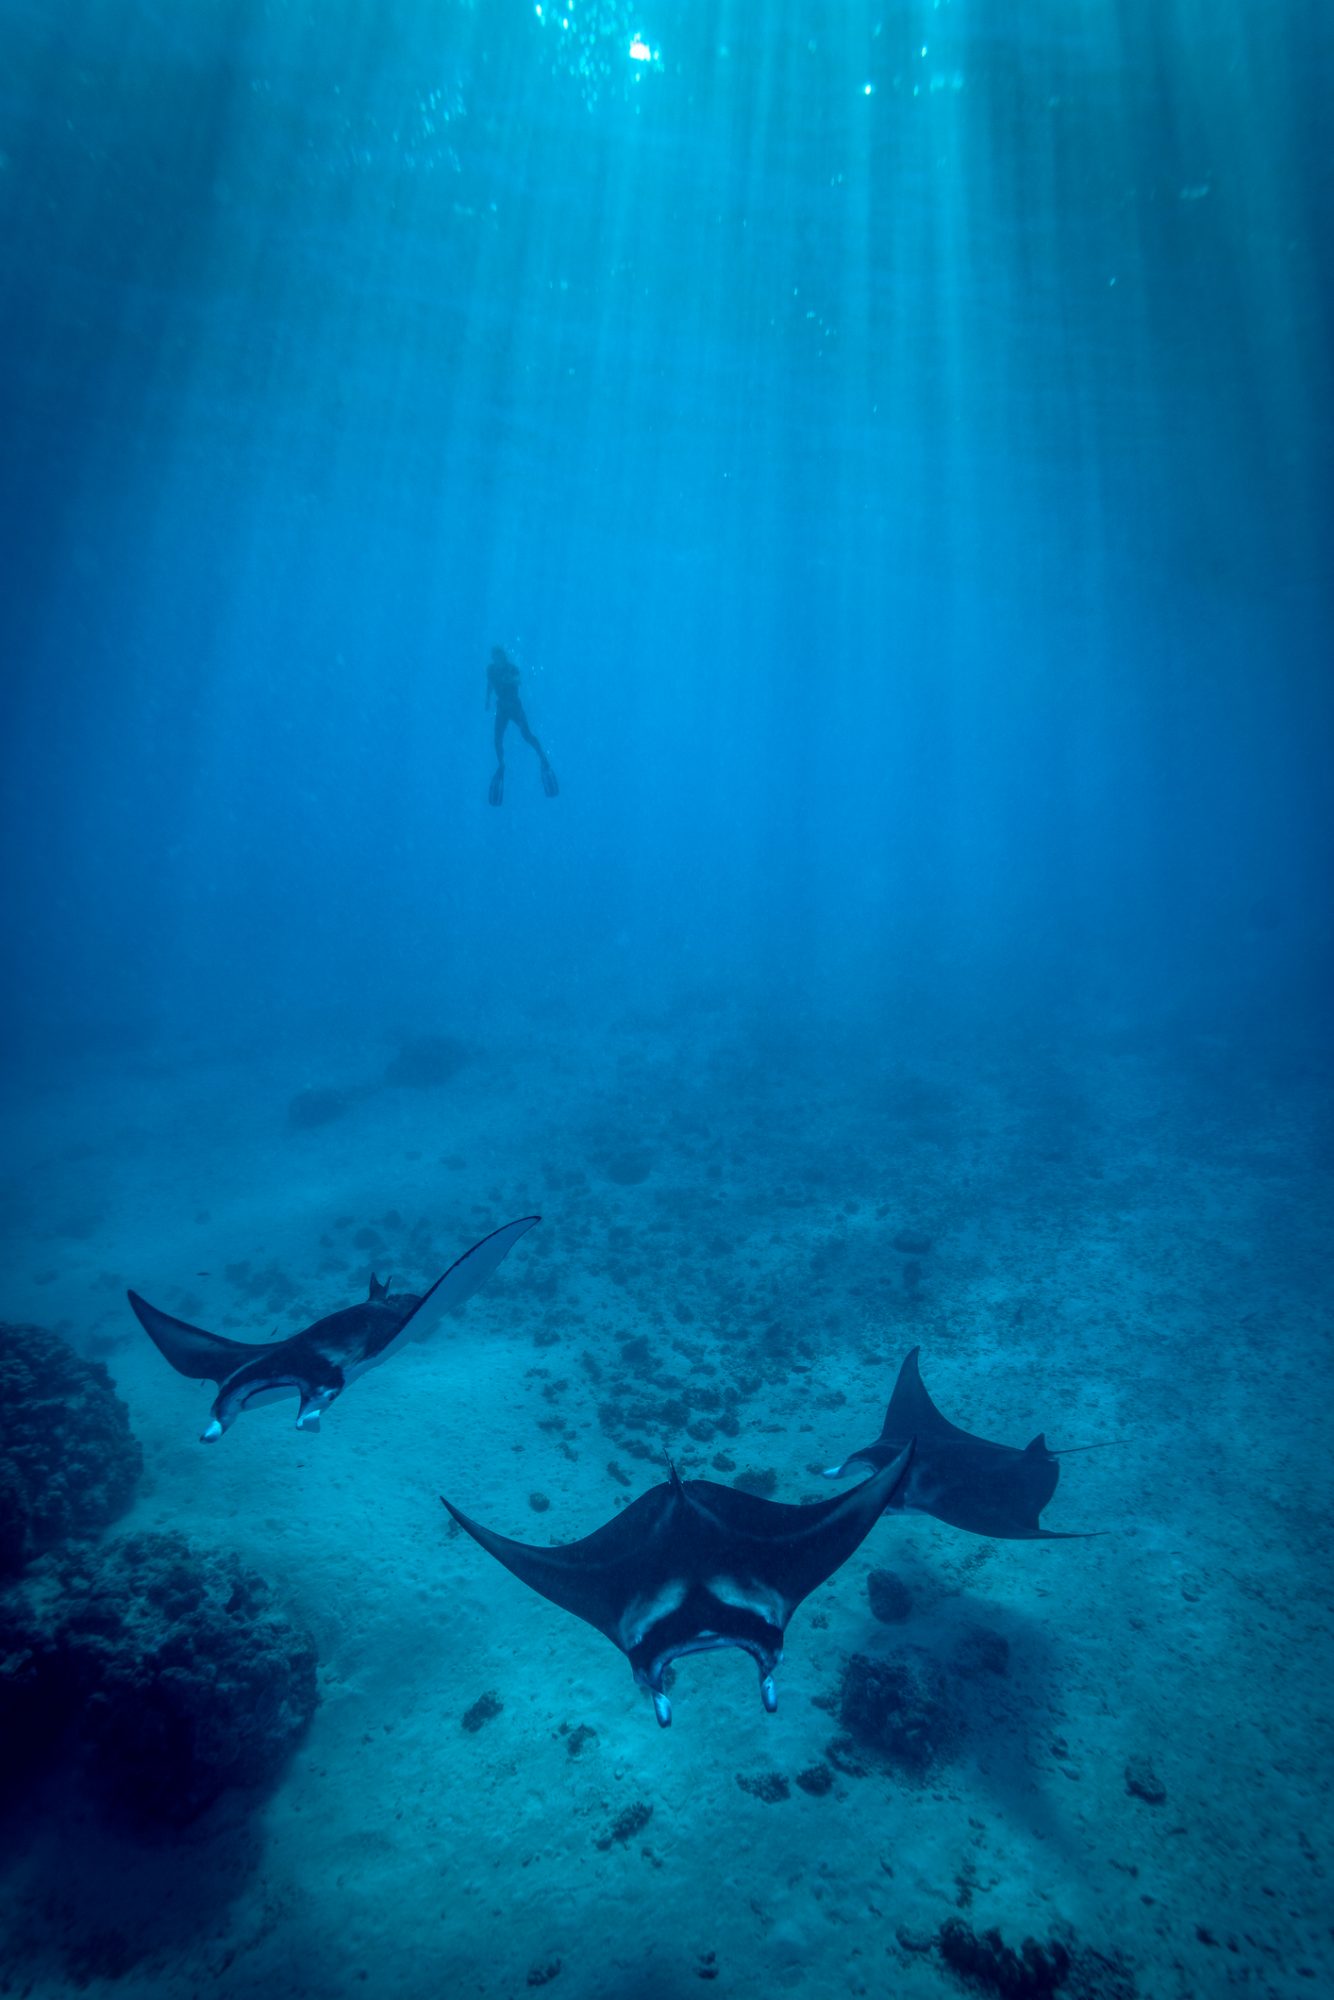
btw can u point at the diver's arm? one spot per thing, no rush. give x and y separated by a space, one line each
490 687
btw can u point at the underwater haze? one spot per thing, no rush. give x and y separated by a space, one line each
895 447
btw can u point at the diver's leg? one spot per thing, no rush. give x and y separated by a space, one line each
549 785
496 792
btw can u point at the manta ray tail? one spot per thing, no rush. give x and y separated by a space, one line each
204 1357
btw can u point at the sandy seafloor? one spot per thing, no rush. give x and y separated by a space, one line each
1129 1241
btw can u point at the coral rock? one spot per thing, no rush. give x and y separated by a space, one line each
170 1666
69 1463
899 1708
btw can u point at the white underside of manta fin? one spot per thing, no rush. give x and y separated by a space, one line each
455 1288
354 1370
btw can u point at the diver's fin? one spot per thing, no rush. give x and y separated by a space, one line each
496 793
204 1357
378 1291
549 782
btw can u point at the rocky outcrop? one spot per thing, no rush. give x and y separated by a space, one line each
69 1463
165 1670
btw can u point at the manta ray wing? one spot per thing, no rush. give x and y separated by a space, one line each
204 1357
594 1578
912 1413
457 1285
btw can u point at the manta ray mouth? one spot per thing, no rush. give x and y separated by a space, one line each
268 1391
231 1404
766 1655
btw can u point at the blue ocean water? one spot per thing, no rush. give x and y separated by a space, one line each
895 445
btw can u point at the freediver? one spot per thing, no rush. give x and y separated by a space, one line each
502 683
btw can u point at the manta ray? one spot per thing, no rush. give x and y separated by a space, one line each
318 1363
691 1566
966 1481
